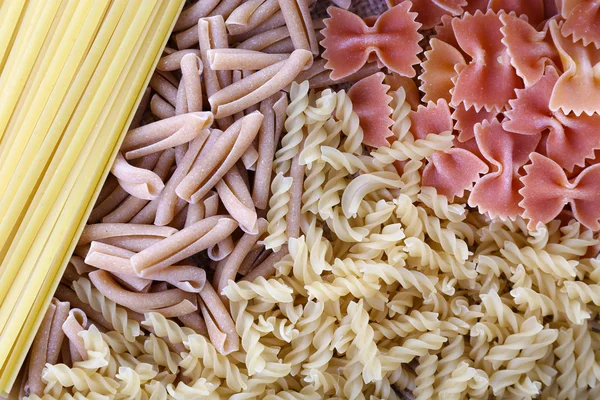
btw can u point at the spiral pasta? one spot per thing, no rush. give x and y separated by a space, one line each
79 379
350 122
267 290
290 142
279 207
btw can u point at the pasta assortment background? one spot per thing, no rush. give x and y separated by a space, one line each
293 241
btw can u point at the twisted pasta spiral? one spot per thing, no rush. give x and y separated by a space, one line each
307 326
440 206
411 179
551 264
313 187
427 257
425 377
411 348
244 325
315 118
350 122
158 349
267 290
164 327
400 114
220 364
367 354
322 343
82 380
404 325
409 216
278 209
410 149
290 142
456 386
116 315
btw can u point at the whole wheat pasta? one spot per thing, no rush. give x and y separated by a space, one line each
284 46
194 320
167 201
138 182
105 230
323 79
185 277
274 21
192 127
249 15
273 109
132 243
189 37
250 157
227 269
181 105
39 354
79 265
164 88
170 77
133 283
236 198
161 108
75 323
242 59
227 150
213 35
299 22
133 205
221 250
266 269
139 113
158 131
220 326
262 40
191 69
195 212
185 243
295 203
56 335
254 256
259 86
170 303
190 15
172 62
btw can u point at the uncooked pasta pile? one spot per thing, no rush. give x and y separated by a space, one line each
266 233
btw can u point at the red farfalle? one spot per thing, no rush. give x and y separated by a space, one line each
371 102
467 119
445 32
546 190
571 139
578 88
394 38
439 72
530 51
453 171
532 9
430 12
433 118
583 23
476 5
489 80
497 193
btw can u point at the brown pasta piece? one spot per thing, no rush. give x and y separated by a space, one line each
227 150
185 277
250 14
80 266
194 320
178 221
221 250
109 186
161 108
249 158
242 59
227 269
274 21
283 46
262 40
170 303
323 79
172 61
252 259
164 88
160 131
195 212
65 354
181 105
75 323
273 109
146 214
118 195
295 204
190 15
191 69
259 86
133 243
102 231
220 326
236 198
142 107
299 22
39 353
167 202
266 269
133 205
56 336
189 126
183 244
138 182
133 283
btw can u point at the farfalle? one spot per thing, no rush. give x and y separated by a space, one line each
453 171
489 80
583 23
530 51
413 97
370 102
445 32
467 119
439 73
431 11
394 39
547 190
578 88
570 140
433 118
497 193
533 9
476 5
